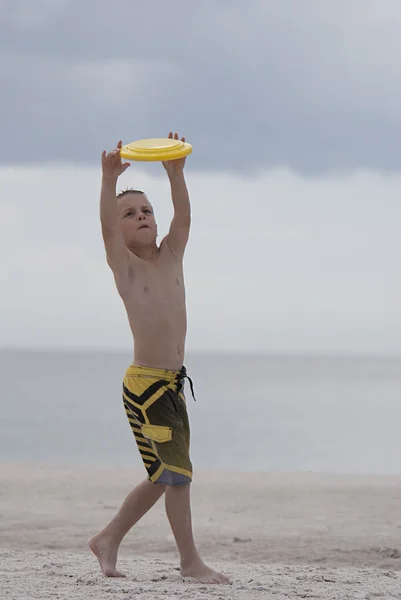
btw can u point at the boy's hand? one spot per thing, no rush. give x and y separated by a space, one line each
174 167
112 165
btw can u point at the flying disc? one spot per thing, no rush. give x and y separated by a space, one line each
154 149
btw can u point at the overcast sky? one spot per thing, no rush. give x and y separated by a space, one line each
311 84
294 111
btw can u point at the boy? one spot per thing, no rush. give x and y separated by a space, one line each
150 282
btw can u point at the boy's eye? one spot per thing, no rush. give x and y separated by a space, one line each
129 213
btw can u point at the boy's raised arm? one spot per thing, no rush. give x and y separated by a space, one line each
112 168
178 234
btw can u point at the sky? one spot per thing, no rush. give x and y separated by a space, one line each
294 112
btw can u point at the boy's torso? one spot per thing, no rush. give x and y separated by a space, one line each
154 298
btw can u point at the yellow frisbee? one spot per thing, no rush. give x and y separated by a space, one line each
154 149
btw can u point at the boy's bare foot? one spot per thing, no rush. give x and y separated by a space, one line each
106 553
199 571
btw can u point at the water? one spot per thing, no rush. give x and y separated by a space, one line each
264 413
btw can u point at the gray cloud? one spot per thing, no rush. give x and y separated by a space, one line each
255 84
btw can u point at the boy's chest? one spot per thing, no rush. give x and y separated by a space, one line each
158 285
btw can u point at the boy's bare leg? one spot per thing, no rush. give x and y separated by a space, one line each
105 544
178 511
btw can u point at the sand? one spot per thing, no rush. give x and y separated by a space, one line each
276 535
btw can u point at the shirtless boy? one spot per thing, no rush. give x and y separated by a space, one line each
150 282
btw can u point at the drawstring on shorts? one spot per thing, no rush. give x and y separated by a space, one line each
180 381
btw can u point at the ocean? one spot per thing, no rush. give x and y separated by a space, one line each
262 413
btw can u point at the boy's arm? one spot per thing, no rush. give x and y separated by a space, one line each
178 234
116 251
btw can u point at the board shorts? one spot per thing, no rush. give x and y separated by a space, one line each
155 405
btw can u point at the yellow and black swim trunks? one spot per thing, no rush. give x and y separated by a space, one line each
155 405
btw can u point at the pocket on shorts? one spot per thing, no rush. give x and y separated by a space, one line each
157 433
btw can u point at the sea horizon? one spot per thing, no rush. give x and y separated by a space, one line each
291 413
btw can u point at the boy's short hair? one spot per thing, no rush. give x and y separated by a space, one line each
130 191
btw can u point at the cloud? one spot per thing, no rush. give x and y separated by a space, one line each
25 16
309 86
279 263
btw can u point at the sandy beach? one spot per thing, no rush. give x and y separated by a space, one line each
276 535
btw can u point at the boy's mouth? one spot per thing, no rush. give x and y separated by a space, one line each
144 227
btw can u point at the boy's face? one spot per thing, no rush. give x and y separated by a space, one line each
137 221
